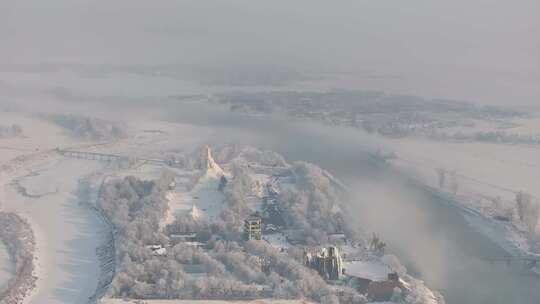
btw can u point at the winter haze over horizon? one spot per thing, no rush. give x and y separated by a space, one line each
481 51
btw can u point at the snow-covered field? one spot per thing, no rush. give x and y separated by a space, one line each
205 197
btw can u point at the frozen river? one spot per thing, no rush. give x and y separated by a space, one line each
6 266
67 233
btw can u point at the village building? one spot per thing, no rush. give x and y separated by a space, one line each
253 227
327 262
374 279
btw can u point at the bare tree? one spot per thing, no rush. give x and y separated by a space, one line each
441 173
454 182
528 210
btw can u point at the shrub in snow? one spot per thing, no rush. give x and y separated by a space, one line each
89 128
11 131
528 211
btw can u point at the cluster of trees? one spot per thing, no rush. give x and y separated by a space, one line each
528 210
308 208
377 246
14 130
448 180
231 268
136 208
227 267
402 124
312 206
16 233
235 152
488 136
289 278
89 128
375 112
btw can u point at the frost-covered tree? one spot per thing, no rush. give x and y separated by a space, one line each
441 173
377 246
528 210
89 128
235 269
454 183
312 206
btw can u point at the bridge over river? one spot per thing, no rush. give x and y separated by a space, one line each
107 157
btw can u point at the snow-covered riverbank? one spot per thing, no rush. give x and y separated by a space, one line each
6 267
480 179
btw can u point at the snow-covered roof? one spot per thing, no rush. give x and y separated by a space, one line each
159 252
371 270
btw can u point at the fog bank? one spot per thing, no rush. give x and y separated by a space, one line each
475 50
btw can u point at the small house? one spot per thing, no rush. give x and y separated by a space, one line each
374 279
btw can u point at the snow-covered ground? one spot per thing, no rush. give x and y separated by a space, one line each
6 266
372 270
204 197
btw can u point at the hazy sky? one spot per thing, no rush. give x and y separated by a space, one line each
487 51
